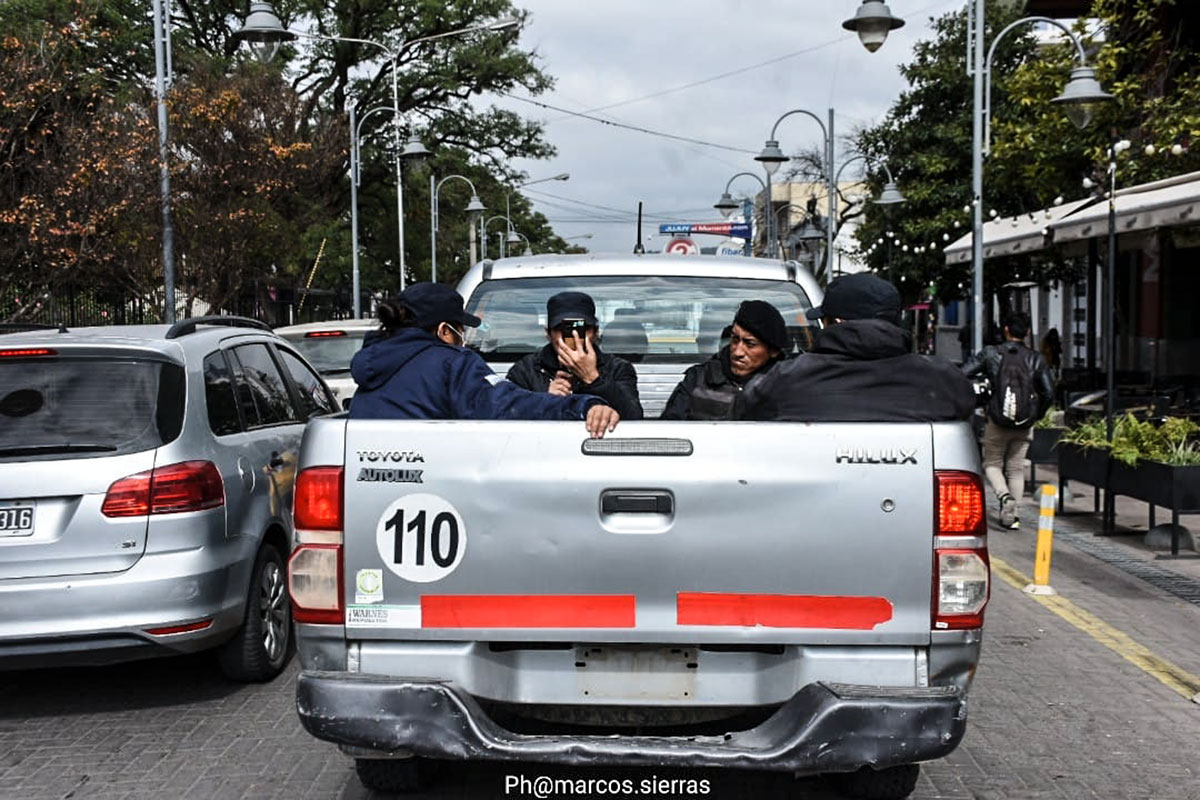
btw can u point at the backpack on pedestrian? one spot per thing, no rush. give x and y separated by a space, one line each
1013 402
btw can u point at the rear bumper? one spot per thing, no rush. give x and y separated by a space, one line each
103 619
822 728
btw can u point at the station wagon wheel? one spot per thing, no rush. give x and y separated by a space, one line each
260 648
273 610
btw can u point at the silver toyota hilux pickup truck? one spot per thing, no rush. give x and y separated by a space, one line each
805 598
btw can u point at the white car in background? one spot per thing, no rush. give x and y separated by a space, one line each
329 346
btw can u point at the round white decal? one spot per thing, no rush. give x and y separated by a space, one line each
421 538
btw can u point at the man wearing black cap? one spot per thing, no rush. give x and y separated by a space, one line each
415 367
861 367
573 363
757 341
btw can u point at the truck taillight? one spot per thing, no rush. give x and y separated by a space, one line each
174 489
318 499
961 572
315 567
315 583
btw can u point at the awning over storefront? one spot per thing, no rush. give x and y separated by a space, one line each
1175 201
1008 236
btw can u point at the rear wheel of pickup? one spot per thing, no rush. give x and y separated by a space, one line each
260 648
890 783
411 774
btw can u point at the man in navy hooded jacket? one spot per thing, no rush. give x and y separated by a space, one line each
417 368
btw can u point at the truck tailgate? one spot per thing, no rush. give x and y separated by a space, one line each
690 532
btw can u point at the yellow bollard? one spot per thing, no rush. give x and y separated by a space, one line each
1045 540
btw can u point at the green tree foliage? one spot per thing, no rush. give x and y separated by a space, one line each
1148 57
1147 54
258 155
438 86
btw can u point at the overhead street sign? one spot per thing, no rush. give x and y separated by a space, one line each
739 229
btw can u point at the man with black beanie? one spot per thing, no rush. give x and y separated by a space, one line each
758 340
861 367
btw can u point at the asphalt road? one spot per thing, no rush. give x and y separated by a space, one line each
1055 713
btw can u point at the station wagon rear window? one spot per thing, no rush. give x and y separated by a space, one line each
649 318
86 407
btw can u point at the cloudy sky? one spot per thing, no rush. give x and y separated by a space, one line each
629 61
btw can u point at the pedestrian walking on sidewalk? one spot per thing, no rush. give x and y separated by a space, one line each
1021 391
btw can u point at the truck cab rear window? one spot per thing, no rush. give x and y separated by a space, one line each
642 318
87 406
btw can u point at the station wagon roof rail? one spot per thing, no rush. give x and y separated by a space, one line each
188 326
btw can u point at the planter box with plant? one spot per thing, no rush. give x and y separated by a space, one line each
1158 464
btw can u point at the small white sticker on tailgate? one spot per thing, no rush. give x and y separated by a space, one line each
421 537
383 616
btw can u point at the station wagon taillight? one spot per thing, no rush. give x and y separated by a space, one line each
961 572
315 566
323 334
174 489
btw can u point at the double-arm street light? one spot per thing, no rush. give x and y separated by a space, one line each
727 205
1079 96
264 33
413 151
474 209
772 157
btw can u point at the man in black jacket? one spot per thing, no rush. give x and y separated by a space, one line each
758 339
1022 390
572 363
861 367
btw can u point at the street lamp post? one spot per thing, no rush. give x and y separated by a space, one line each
727 205
771 157
474 207
264 32
515 237
1081 91
414 149
562 176
162 73
483 234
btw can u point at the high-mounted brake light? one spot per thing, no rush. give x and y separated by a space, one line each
28 352
961 571
173 489
323 334
318 499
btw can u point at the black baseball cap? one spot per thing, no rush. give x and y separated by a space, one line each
570 305
859 296
433 303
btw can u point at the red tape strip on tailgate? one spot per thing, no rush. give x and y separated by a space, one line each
781 610
528 611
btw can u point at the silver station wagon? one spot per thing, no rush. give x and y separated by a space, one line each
145 484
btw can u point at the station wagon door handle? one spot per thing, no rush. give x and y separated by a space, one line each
636 501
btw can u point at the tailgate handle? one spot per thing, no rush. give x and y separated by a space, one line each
636 501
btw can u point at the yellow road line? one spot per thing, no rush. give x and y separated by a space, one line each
1177 678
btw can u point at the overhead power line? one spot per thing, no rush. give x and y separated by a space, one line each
636 128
